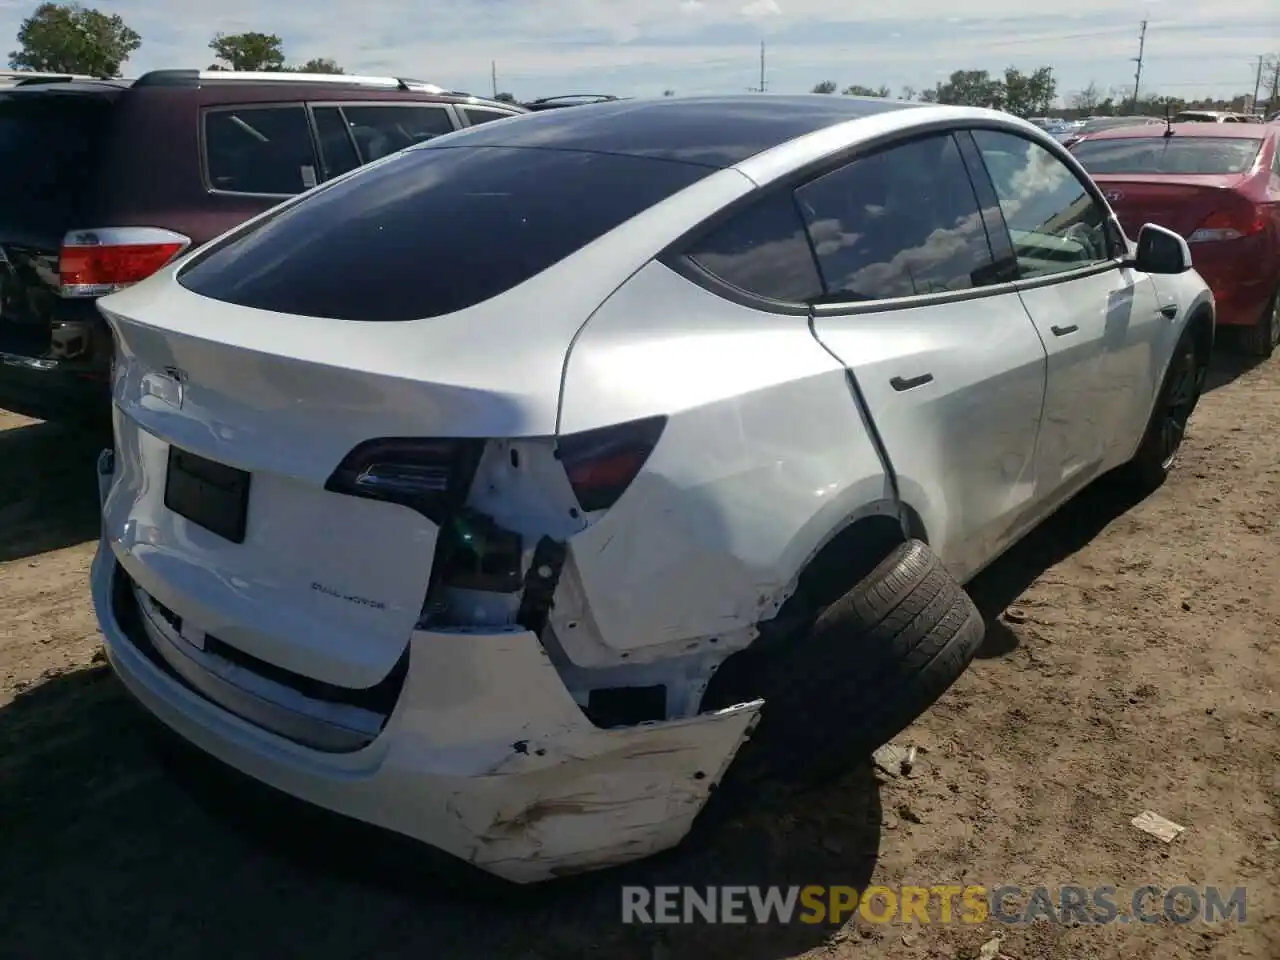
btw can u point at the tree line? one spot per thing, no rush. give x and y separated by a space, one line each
1033 94
70 38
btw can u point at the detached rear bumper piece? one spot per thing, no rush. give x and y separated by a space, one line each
484 754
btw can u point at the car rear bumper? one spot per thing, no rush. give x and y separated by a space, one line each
47 391
1241 278
484 755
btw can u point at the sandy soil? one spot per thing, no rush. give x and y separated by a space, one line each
1135 668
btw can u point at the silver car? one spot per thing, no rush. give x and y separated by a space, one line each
497 491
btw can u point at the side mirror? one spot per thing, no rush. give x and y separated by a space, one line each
1160 251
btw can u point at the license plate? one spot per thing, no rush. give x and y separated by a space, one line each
209 494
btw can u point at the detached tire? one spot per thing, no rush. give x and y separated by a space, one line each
872 662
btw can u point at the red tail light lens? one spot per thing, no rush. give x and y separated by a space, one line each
94 263
1229 224
602 463
429 476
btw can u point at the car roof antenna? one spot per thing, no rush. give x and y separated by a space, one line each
1168 124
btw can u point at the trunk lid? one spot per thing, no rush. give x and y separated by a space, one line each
325 584
1179 203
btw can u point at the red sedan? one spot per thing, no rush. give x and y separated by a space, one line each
1219 186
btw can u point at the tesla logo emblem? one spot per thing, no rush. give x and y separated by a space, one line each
1113 196
169 385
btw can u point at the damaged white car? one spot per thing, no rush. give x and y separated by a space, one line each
514 491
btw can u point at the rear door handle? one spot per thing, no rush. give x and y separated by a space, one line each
1063 331
900 384
1170 310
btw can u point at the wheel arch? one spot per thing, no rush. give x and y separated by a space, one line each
1201 325
848 552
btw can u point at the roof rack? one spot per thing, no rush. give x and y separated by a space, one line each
191 78
601 97
22 78
569 100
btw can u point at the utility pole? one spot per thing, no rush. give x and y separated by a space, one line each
493 76
1257 85
1137 77
762 87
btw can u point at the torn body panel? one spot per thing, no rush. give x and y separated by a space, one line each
763 457
485 755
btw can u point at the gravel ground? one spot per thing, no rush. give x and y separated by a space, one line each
1130 664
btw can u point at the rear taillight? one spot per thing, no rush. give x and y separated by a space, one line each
1229 225
429 476
602 463
94 263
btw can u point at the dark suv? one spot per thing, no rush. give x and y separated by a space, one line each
103 182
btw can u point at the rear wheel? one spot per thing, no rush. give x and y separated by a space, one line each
1262 338
872 662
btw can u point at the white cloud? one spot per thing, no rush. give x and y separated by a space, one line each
759 9
697 46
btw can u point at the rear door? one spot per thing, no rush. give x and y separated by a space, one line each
1100 322
51 143
925 317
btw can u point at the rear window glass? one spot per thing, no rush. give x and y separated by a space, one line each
1209 156
49 144
432 231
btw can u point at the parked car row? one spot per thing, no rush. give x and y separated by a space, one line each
513 489
1219 187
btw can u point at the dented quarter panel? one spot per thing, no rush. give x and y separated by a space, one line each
764 455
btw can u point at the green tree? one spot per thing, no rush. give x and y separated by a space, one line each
668 93
969 88
319 65
826 86
69 38
1028 94
505 98
857 90
247 51
1086 101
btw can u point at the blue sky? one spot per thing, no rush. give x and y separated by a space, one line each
641 47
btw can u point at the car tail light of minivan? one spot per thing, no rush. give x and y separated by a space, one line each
1231 224
94 263
601 463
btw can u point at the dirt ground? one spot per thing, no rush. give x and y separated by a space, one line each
1131 664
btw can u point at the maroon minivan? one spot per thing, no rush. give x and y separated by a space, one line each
103 182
